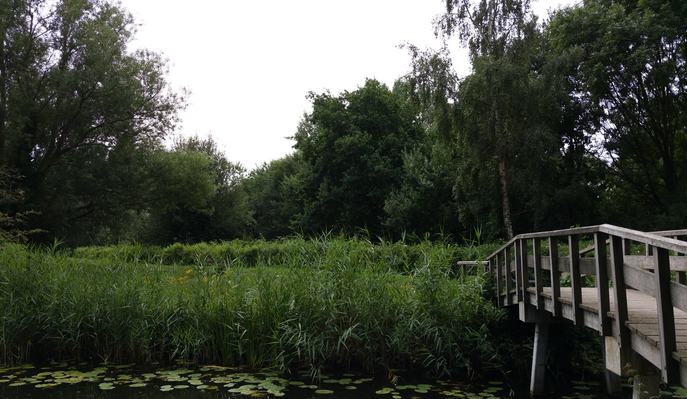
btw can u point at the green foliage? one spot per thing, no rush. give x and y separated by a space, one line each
424 203
11 226
314 303
272 191
353 145
630 68
217 210
79 112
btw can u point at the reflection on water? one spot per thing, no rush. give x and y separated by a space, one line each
210 382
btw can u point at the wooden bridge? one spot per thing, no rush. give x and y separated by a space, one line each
630 286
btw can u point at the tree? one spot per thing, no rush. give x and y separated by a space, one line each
509 109
75 107
631 70
353 148
223 212
272 191
424 203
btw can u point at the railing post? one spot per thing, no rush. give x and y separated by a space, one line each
680 276
574 247
538 281
666 317
509 277
524 270
619 293
518 271
555 276
602 284
499 278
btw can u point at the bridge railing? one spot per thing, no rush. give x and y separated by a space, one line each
518 273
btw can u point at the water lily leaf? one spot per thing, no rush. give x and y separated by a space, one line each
330 381
324 391
351 387
16 384
421 390
138 385
181 386
296 383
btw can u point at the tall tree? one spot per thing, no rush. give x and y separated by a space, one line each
73 99
353 148
272 191
632 68
503 130
223 212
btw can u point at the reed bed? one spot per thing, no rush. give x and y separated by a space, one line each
317 303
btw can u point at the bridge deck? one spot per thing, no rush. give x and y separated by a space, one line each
642 319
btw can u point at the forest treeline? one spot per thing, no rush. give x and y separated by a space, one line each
574 120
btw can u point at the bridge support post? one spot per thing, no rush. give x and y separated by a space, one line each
538 377
624 361
613 360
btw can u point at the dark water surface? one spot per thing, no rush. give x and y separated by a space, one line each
210 382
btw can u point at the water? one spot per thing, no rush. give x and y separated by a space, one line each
211 382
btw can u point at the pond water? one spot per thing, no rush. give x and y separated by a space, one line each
127 381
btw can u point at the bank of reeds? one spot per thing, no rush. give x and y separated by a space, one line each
299 304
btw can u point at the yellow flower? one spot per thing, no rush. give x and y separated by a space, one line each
189 271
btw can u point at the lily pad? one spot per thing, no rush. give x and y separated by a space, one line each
324 391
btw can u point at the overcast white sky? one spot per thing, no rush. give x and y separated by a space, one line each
249 64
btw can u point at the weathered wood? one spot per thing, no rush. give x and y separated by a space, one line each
555 276
541 338
619 293
499 278
518 271
602 283
509 278
538 280
524 267
677 263
666 317
646 313
573 247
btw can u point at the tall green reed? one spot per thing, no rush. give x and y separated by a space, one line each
299 303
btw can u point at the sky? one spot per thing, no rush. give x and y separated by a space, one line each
250 64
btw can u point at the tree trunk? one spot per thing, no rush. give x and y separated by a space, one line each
507 222
3 94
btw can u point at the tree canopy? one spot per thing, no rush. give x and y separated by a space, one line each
353 147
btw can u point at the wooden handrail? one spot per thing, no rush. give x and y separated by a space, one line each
625 271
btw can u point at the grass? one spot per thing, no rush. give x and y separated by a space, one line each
288 305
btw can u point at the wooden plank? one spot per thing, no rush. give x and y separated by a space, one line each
619 292
680 276
524 272
602 283
639 279
677 263
499 278
574 248
538 280
518 271
509 276
555 276
666 317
